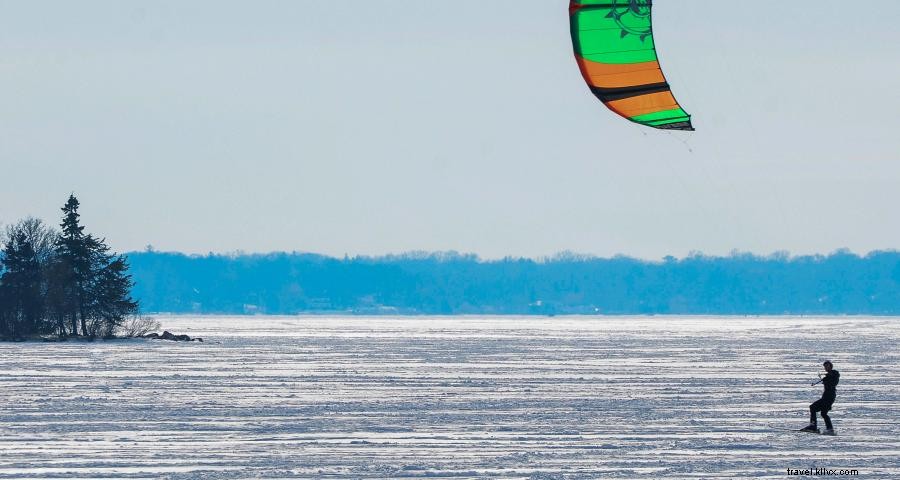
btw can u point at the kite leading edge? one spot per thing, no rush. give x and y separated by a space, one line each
613 42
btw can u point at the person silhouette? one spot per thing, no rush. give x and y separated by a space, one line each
823 405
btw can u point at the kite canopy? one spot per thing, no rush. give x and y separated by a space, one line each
613 41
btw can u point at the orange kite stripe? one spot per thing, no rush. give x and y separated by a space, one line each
641 104
608 75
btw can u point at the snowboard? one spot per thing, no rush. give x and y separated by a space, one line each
817 432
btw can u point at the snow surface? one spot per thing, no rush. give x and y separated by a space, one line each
510 397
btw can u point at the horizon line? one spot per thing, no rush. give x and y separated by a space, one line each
560 255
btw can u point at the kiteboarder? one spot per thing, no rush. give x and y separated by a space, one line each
830 381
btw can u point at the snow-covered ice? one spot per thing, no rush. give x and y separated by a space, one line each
496 397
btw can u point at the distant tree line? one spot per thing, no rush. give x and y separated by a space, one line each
450 283
64 282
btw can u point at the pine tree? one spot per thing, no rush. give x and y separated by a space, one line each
73 249
21 284
112 295
92 287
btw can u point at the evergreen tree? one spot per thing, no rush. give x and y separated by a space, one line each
73 249
21 284
111 295
92 288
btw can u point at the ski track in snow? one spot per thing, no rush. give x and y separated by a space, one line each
453 397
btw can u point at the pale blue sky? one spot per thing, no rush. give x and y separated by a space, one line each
370 127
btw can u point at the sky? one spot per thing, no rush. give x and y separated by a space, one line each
375 127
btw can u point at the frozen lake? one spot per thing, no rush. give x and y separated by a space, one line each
497 397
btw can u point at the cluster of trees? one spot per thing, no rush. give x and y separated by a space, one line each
448 283
62 282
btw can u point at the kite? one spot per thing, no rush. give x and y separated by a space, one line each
613 42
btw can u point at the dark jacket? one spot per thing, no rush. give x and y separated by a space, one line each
830 381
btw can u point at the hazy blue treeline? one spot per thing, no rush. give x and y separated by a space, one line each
449 283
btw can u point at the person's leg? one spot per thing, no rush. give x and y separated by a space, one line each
825 416
813 408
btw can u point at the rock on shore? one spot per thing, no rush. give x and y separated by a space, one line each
166 335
